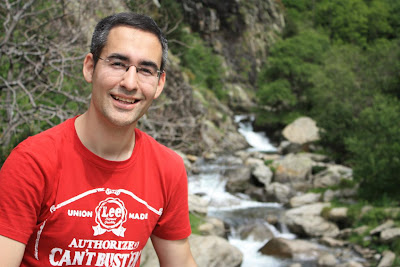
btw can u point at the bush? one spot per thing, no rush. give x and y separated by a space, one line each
375 146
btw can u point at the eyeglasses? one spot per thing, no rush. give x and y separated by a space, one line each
146 74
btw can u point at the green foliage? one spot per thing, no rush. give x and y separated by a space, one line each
205 66
195 222
286 78
346 21
381 66
335 98
316 169
394 17
375 146
378 20
277 94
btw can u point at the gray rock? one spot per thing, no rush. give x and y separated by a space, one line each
214 251
351 263
331 242
238 179
278 192
257 231
386 225
305 221
387 260
213 226
303 130
294 170
208 251
198 204
332 176
327 260
308 210
259 170
338 214
388 235
237 96
311 226
304 199
294 249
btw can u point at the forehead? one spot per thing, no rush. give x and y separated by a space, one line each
135 44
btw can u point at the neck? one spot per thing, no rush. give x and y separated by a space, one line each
105 139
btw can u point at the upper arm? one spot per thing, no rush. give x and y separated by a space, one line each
173 252
11 252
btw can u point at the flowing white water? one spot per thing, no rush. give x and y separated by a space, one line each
210 183
257 140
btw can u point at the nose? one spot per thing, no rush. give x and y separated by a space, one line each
130 79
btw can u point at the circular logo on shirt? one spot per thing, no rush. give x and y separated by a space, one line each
110 215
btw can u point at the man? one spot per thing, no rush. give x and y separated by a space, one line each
92 190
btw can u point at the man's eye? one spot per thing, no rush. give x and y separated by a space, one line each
117 64
146 71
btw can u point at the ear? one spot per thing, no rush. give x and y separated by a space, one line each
160 85
88 67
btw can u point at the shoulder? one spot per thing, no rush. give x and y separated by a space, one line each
42 148
158 150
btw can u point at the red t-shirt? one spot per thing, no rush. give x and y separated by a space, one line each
72 208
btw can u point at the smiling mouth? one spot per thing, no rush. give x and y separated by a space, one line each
125 100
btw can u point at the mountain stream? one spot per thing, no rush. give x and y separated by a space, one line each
239 210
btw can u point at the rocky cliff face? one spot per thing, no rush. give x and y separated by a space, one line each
240 32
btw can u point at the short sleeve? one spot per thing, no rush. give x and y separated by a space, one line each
21 187
174 222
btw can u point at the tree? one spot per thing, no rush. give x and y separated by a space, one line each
375 148
346 21
38 85
284 81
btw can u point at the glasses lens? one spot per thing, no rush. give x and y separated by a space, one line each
146 74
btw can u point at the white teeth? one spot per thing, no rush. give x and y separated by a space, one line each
125 99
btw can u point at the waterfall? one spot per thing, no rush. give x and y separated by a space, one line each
257 140
238 210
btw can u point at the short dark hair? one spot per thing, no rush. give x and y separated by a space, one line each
137 21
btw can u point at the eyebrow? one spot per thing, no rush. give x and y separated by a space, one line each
147 63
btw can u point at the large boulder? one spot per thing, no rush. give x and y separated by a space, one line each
293 249
306 221
277 192
386 225
295 170
256 231
214 251
213 226
332 176
198 204
238 179
338 215
259 170
387 259
304 199
327 260
388 235
208 251
302 131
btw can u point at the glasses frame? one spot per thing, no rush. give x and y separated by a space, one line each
127 66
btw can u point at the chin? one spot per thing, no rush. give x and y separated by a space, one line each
118 122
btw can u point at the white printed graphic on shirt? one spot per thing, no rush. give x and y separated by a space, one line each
108 192
109 216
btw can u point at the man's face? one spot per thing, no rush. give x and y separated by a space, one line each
122 100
